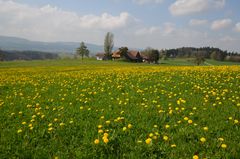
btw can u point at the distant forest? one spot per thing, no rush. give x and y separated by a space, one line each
184 52
26 55
206 52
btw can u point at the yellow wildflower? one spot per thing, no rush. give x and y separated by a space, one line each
19 131
148 141
167 126
195 157
105 140
173 145
220 139
190 121
96 141
165 138
236 121
129 126
100 131
224 146
205 128
202 139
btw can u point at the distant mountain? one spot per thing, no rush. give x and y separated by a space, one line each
20 44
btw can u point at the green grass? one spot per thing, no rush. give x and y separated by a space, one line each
178 62
220 63
92 61
59 108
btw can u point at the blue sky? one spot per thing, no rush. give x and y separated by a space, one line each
135 23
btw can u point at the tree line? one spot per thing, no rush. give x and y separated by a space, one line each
205 52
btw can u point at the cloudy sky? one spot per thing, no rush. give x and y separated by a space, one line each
134 23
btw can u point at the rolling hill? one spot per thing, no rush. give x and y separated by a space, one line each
20 44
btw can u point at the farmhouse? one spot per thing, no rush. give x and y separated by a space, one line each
145 58
116 55
134 56
100 56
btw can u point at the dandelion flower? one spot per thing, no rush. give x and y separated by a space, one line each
173 145
236 121
105 140
167 126
96 141
100 131
220 139
124 128
129 126
205 128
190 121
105 134
165 138
151 135
202 139
19 131
195 157
224 146
148 141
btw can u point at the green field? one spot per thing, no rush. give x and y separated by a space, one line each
101 109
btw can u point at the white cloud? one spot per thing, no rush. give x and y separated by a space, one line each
227 39
146 31
221 24
169 36
52 23
141 2
198 22
166 29
169 28
185 7
237 27
105 21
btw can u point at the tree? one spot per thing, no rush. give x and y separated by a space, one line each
82 50
152 55
123 51
199 58
108 45
1 55
156 55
